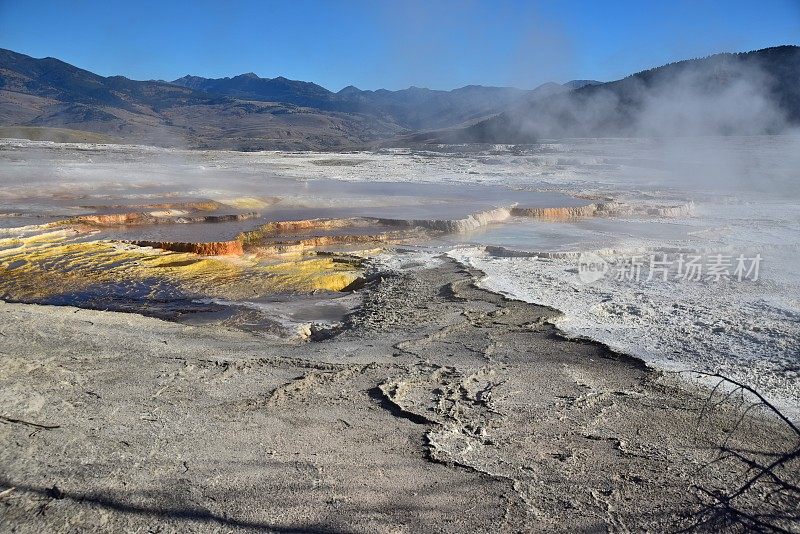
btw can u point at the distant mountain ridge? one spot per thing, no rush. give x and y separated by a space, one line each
49 93
245 112
250 87
754 92
413 108
53 78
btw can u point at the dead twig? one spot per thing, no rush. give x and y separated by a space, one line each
742 507
27 423
756 394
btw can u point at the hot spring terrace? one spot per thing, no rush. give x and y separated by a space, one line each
178 256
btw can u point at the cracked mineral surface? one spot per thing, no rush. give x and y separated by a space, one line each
440 407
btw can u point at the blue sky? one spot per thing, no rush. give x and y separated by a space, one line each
392 44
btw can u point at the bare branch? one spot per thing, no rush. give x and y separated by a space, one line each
758 395
27 423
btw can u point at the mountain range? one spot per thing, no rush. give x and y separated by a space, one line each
754 92
411 109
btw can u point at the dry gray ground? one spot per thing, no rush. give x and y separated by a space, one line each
442 408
